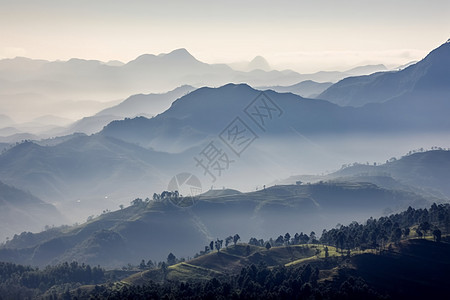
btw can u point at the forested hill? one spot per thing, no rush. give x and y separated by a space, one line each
402 256
135 232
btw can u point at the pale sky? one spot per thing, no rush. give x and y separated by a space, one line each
305 36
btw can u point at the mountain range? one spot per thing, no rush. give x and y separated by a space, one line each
427 78
141 154
31 88
49 126
136 157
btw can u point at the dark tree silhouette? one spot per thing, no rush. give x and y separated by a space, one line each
142 265
396 235
425 227
218 244
419 233
236 238
171 259
279 241
406 232
437 235
287 238
228 240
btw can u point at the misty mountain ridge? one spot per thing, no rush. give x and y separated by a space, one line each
139 156
5 121
83 167
75 80
115 238
305 89
423 172
427 78
257 63
21 211
150 104
193 121
207 111
368 69
48 126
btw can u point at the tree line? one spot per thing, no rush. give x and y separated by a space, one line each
25 282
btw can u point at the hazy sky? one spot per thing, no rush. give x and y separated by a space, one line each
301 35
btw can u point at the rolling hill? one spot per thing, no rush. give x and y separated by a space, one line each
155 228
422 172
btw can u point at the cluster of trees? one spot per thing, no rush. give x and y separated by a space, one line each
171 260
218 244
20 282
166 195
285 240
376 234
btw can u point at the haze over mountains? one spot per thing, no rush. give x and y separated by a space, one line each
77 88
21 211
132 149
427 78
158 226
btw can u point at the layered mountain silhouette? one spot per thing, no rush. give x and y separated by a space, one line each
146 105
84 174
21 211
138 156
192 121
50 87
208 111
429 78
49 126
306 89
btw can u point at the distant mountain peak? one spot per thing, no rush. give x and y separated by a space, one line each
367 69
143 57
259 63
180 51
180 54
